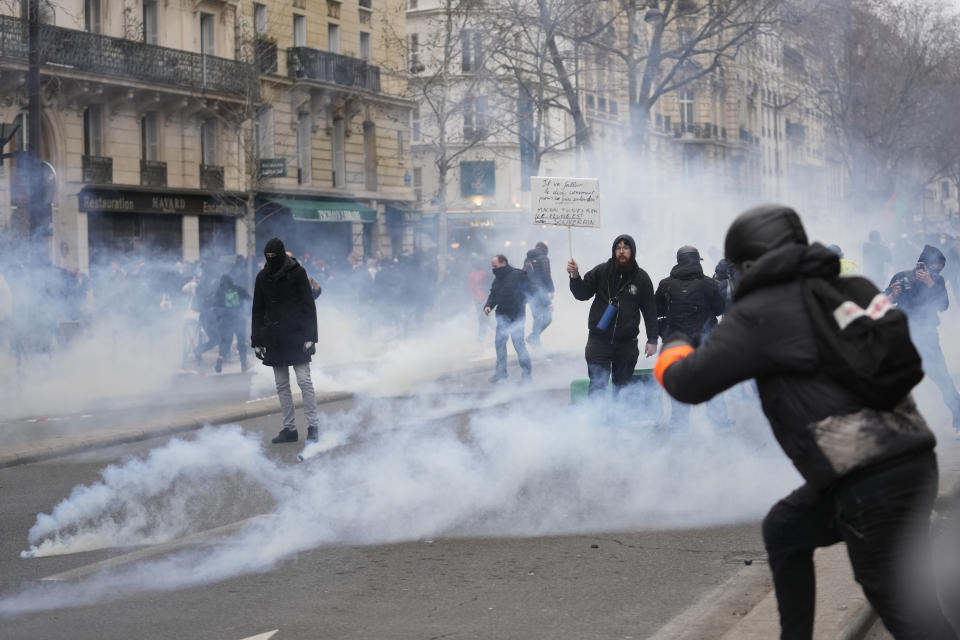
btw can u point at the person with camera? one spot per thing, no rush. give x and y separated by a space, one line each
622 295
869 467
922 294
284 334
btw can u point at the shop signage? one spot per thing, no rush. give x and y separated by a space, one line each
273 167
140 202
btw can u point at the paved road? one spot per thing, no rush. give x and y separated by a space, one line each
617 584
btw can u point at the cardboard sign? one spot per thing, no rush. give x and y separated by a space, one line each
568 202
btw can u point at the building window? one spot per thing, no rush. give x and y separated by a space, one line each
21 144
364 45
415 133
471 44
475 118
263 133
411 4
418 184
91 16
333 9
945 190
299 30
208 46
370 156
208 142
613 107
259 19
414 45
602 103
401 144
149 137
686 110
93 131
333 38
150 21
303 149
590 101
339 153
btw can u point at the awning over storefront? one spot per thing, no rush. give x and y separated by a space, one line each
326 211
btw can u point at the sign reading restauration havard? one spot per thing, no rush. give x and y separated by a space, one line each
568 202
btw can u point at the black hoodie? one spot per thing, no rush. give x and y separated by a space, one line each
284 314
825 429
633 290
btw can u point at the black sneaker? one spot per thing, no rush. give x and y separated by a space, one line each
497 377
312 434
286 435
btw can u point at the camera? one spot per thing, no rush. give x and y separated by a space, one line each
921 266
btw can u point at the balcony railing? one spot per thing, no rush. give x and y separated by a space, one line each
153 173
312 64
128 59
211 177
97 170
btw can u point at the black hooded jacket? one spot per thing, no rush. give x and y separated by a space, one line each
509 291
537 266
920 302
825 429
688 300
634 293
284 314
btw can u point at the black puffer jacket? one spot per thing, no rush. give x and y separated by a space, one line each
688 300
284 314
509 291
824 429
634 292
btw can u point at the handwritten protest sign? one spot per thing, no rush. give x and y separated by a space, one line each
568 202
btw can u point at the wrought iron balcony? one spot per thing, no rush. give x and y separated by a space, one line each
153 173
97 170
128 59
313 64
211 177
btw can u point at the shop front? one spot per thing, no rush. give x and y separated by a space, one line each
129 223
327 230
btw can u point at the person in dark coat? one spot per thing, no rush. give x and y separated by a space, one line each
537 266
870 474
620 283
284 333
229 302
508 295
687 302
922 294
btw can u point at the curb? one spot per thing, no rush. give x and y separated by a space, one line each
65 445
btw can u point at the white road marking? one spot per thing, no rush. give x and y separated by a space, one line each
263 636
197 538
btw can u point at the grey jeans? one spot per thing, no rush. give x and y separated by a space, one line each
282 377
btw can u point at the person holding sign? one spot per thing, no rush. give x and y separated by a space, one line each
622 295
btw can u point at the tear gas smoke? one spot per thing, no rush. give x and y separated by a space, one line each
528 468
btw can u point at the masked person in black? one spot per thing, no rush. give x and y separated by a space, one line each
870 473
622 296
228 305
284 334
922 294
508 295
686 302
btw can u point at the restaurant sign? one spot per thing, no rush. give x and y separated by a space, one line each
146 202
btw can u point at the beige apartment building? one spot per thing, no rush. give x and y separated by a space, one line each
172 125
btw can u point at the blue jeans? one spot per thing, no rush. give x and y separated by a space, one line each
281 376
883 516
511 328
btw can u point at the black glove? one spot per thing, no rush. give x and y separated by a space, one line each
260 352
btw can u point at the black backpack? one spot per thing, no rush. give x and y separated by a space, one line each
686 307
862 339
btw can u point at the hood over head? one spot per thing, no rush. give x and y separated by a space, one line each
633 251
931 255
787 263
275 246
759 230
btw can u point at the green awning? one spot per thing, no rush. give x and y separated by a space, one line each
326 211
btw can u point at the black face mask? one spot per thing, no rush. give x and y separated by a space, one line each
276 261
